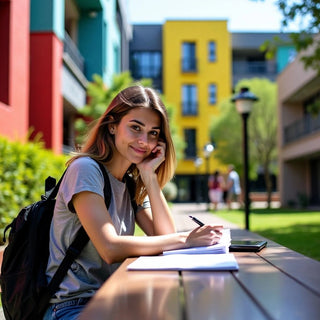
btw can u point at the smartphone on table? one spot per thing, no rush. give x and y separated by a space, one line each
247 245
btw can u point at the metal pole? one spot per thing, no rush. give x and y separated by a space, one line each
197 185
246 169
208 172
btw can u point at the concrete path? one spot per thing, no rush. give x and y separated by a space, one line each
181 212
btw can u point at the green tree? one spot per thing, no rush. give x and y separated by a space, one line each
100 97
306 14
262 131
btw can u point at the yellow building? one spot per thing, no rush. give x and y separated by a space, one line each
196 77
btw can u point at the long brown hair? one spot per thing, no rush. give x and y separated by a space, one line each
100 143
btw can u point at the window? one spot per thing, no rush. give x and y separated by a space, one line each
189 57
212 51
116 52
189 100
212 93
292 55
190 139
146 64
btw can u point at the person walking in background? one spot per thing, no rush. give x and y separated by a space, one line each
216 186
233 186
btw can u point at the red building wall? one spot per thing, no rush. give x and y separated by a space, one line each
46 104
14 68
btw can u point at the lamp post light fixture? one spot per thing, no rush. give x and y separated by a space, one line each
244 102
197 163
207 150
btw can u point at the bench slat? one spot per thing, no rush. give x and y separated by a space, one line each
136 295
218 295
298 266
280 294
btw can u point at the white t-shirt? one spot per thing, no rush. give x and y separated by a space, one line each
234 177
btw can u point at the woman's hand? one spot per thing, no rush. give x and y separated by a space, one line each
150 164
204 236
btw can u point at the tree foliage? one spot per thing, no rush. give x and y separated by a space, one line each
306 14
226 131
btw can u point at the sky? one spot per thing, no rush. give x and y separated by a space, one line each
242 15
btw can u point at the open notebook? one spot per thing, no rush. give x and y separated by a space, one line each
221 247
215 257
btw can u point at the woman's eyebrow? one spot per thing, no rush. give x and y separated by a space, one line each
142 124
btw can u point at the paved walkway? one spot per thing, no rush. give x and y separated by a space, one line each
181 212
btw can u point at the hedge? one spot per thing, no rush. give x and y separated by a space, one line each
23 170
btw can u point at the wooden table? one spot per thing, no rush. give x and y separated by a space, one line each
276 283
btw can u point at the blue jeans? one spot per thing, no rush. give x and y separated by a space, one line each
67 310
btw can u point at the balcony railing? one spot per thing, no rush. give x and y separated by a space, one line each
254 67
189 65
71 49
150 71
303 127
189 108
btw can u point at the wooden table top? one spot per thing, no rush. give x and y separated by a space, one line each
276 283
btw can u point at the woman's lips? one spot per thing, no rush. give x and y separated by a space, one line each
139 150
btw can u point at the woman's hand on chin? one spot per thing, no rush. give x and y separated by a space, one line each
150 164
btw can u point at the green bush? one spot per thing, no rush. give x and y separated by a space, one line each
170 191
23 170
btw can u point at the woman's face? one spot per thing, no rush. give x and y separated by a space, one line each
137 134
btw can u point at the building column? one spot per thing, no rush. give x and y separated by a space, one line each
46 102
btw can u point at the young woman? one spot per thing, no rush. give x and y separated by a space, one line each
133 137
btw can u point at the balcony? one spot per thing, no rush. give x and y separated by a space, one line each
70 48
250 69
189 108
303 127
189 65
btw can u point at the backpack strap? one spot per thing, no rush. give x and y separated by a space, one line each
54 192
130 184
107 187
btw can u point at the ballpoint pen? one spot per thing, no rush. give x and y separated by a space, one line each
197 221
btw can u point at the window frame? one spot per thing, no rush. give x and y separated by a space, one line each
190 137
212 100
189 98
188 56
212 51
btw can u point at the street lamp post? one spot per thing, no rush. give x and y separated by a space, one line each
207 150
197 164
244 102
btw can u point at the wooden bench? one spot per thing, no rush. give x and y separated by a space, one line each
276 283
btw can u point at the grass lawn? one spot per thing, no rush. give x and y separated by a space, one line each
298 230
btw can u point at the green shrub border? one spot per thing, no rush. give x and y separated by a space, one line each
23 170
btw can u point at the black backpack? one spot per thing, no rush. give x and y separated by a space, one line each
25 291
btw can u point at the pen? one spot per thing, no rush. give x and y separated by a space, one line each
197 221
